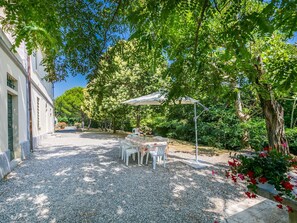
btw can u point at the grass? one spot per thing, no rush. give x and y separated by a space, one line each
174 144
188 147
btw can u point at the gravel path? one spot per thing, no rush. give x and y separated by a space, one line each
77 177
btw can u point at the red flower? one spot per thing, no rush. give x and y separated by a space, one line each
248 194
250 174
285 145
234 178
263 154
253 181
241 176
287 185
267 148
289 209
280 206
232 163
254 195
278 198
262 180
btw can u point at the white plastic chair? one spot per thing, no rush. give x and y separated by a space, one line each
129 152
136 131
128 149
161 139
157 151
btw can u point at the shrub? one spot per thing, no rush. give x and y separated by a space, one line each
291 135
258 134
77 125
62 125
267 166
63 119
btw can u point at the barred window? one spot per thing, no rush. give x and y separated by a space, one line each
11 82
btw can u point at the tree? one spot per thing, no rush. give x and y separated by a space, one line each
126 71
72 34
70 104
224 45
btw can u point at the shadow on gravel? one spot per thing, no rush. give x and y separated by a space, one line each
87 182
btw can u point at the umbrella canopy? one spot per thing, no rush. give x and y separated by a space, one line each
158 98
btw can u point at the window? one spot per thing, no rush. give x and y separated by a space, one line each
11 82
38 115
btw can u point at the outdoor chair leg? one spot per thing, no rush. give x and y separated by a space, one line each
147 157
123 154
127 159
154 162
133 156
164 160
141 158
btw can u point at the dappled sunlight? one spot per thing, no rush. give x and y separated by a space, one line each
120 210
41 201
63 172
89 179
58 155
85 180
177 190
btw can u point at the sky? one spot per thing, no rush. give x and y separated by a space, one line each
70 82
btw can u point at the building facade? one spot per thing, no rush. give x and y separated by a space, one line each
15 85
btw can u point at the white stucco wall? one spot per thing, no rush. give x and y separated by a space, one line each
7 66
15 64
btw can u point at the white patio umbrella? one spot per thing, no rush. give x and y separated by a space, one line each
158 98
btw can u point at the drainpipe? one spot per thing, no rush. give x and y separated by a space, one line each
30 102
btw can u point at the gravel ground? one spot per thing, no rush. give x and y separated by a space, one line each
78 177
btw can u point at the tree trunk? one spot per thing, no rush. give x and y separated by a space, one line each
90 122
292 113
243 118
82 121
274 117
114 125
138 118
272 111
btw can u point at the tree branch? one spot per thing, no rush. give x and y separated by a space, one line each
199 23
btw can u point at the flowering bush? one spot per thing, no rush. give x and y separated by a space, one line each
62 125
267 166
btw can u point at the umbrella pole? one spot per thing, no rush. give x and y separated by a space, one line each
196 132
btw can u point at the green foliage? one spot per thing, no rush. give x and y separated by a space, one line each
125 72
69 105
261 167
72 34
292 139
220 128
274 166
257 131
63 119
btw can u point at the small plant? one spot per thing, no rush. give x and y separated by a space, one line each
146 130
77 125
267 166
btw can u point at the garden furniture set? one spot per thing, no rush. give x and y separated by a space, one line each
134 144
